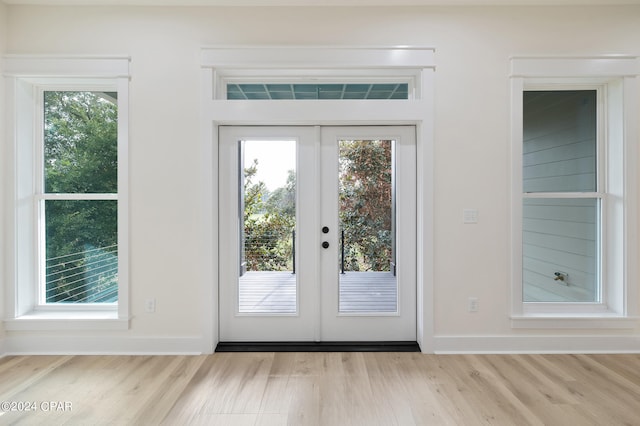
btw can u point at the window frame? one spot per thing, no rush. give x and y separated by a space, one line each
615 82
27 78
599 194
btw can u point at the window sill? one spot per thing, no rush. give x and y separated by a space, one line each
80 320
573 321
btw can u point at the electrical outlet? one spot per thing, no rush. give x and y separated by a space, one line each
150 305
473 304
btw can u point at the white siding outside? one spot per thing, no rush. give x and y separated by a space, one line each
560 235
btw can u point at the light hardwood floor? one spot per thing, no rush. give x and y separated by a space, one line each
323 389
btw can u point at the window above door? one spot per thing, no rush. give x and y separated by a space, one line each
306 91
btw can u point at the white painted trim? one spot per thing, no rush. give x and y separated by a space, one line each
33 66
24 74
575 67
3 351
621 243
68 320
209 218
574 322
425 187
324 112
317 57
537 344
102 345
417 112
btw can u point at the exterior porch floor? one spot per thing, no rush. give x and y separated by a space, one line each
275 292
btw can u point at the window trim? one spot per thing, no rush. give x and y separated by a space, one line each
27 77
614 77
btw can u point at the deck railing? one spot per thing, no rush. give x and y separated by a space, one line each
275 253
87 276
269 253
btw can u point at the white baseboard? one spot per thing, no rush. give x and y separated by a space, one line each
74 345
103 345
536 344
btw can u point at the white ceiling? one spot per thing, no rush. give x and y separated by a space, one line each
321 2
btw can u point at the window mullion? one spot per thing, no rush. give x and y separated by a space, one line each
532 195
76 196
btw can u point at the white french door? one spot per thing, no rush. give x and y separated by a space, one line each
317 233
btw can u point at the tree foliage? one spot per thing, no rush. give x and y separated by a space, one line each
80 157
269 223
365 204
365 212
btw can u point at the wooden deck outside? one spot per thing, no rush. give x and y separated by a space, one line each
275 292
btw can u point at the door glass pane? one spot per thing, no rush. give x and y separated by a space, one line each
81 251
559 152
267 282
367 221
560 250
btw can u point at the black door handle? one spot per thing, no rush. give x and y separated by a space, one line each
325 229
325 244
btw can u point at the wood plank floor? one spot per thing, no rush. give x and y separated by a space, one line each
322 389
275 292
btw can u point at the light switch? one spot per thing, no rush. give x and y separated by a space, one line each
470 215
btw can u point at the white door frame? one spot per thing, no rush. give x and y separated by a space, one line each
317 316
418 111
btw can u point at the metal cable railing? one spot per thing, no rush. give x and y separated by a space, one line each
88 276
269 252
278 253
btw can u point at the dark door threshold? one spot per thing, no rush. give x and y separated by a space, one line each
318 347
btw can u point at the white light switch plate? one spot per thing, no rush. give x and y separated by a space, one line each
470 215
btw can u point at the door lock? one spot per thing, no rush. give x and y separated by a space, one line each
325 244
325 229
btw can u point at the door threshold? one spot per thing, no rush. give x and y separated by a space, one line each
318 347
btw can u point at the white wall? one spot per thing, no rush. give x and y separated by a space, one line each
472 159
3 39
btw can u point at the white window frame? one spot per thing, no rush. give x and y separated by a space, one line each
615 80
26 79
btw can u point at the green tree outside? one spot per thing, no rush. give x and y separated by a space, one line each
80 157
366 204
365 200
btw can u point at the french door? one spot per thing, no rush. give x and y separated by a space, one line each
317 233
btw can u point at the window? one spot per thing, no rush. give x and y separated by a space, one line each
572 191
78 205
562 201
298 91
69 175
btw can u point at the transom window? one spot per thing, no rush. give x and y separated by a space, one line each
274 91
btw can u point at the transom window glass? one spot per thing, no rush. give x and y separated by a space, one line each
561 200
78 223
274 91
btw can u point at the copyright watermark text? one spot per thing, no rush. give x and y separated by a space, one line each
46 406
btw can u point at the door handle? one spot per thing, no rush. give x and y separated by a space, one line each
325 244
